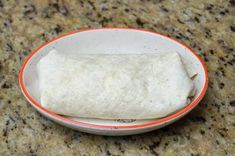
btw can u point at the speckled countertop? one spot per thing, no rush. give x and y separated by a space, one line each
208 26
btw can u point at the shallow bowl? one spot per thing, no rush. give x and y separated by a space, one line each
112 41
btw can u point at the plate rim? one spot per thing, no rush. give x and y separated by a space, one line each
156 122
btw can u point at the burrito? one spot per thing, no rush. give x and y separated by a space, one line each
113 86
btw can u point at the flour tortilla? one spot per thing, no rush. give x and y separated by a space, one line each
125 86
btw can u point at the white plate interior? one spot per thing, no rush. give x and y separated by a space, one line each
112 41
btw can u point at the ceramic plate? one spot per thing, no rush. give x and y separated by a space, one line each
112 41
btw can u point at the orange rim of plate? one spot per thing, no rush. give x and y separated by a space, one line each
89 125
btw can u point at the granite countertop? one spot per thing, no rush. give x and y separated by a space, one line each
206 26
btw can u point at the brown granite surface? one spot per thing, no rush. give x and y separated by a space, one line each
208 26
